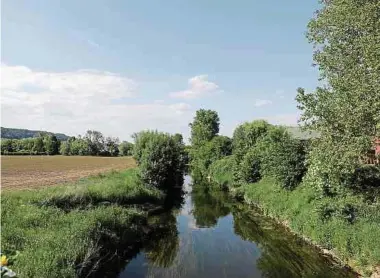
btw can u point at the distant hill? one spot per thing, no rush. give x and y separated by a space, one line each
298 133
16 133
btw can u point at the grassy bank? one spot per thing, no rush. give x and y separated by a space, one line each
323 220
62 231
346 225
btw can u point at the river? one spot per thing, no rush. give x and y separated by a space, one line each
211 235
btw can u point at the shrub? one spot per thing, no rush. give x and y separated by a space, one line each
279 155
365 179
249 168
125 148
159 157
246 136
203 156
221 171
65 148
282 157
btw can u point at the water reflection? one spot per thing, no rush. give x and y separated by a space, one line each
209 206
282 255
212 235
162 246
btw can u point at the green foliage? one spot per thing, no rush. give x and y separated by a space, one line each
204 155
220 171
207 146
204 127
345 224
95 141
38 146
249 168
125 148
72 230
44 144
78 146
366 181
16 133
51 144
65 148
346 110
160 158
7 146
111 147
282 157
246 136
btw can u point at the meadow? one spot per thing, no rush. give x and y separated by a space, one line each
29 172
71 230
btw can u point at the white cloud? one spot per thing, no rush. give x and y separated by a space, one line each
199 86
93 43
262 102
283 119
72 102
180 108
69 85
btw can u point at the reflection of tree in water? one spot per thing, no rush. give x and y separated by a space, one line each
282 255
163 244
209 206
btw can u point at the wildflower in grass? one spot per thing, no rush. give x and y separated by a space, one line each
3 260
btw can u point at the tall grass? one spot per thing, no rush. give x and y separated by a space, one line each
62 231
353 236
221 171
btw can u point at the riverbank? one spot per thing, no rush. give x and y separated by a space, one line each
62 231
352 236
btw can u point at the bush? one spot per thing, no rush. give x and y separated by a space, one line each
221 171
203 156
159 157
125 148
282 157
248 170
246 136
366 180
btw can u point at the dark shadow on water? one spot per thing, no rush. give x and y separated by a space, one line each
282 254
156 236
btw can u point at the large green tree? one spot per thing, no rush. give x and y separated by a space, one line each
346 109
204 127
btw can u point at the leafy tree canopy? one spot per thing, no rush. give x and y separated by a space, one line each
346 110
204 127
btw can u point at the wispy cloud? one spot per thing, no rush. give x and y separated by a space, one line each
72 102
262 102
93 43
283 119
180 108
199 86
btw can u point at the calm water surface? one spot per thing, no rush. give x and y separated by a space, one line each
211 235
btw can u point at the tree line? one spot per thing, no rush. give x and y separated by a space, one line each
256 149
92 143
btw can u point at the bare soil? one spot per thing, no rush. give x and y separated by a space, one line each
28 172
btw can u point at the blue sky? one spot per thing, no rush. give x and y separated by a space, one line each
122 66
